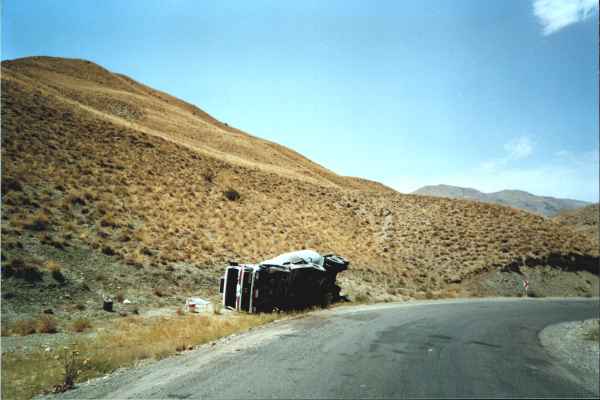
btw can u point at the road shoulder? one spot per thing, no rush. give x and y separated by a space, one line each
567 342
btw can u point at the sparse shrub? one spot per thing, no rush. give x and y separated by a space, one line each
81 325
135 259
79 307
232 194
103 234
158 292
109 220
71 369
55 271
23 270
120 297
46 324
58 276
23 327
179 311
76 199
208 176
39 222
109 251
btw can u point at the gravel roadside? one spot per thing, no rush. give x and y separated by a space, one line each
568 342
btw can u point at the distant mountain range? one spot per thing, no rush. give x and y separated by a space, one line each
544 205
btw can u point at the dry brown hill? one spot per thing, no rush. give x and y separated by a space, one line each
584 220
94 160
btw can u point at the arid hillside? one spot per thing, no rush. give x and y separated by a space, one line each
96 164
585 220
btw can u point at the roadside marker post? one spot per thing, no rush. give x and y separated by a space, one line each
525 286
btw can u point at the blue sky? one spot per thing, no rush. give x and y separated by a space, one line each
490 94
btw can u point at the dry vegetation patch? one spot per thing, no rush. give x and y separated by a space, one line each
130 340
24 327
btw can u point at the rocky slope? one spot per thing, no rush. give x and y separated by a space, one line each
111 187
543 205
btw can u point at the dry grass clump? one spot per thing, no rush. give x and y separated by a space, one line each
133 338
24 327
46 324
81 325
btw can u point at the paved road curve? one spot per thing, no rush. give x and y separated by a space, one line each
465 348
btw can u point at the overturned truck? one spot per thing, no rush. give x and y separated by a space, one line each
290 281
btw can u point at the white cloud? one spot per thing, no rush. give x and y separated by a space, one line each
515 149
554 15
519 148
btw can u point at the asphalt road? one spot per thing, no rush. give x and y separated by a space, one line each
465 348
